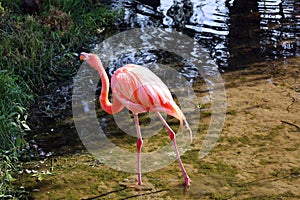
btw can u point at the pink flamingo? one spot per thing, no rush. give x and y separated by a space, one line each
140 90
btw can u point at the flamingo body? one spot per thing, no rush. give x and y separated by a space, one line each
140 90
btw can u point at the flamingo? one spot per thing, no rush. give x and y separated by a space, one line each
139 90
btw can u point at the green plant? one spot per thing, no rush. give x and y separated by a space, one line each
42 48
13 126
6 170
13 100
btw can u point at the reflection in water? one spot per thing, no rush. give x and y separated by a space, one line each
210 25
236 32
205 21
281 28
243 34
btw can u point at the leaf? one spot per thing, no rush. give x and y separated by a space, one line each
12 114
40 178
27 128
9 178
14 124
20 109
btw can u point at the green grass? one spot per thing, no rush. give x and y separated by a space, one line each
13 127
43 47
13 100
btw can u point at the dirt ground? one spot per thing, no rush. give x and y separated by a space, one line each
261 137
256 157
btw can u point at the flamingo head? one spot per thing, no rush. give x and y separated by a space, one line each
92 59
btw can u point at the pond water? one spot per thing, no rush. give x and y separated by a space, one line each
236 32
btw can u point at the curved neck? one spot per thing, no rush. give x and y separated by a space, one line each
104 101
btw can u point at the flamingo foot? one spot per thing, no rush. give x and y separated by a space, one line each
139 180
132 182
187 181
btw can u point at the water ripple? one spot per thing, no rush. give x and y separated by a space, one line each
236 33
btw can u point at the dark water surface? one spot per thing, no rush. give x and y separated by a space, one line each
236 32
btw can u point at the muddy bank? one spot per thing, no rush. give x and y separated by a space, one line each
257 155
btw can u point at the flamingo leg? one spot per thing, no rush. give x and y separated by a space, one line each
139 144
173 138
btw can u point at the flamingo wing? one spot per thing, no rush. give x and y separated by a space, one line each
140 90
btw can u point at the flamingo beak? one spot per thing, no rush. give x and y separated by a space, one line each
83 56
